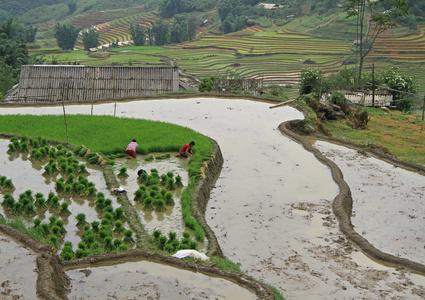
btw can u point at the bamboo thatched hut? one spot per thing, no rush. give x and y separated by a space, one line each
53 83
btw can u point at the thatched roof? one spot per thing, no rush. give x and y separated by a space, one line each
51 83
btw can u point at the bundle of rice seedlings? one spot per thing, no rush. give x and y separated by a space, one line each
160 205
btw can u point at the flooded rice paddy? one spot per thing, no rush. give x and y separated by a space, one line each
18 274
271 207
147 280
388 202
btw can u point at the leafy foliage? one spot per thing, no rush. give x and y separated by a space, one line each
207 84
137 33
66 35
90 39
311 79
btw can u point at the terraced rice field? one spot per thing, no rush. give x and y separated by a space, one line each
280 42
107 58
410 48
118 29
274 56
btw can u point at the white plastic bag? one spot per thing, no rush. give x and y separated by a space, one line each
191 253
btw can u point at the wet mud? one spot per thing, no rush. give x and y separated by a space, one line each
281 212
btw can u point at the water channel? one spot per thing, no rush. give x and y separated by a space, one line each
271 207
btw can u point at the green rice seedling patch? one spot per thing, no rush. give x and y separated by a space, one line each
167 137
38 201
64 187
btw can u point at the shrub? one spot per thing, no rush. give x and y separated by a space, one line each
338 98
161 242
56 230
11 148
360 118
45 229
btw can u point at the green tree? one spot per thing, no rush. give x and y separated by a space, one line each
191 28
138 34
179 29
373 18
72 6
161 32
311 80
207 84
90 39
66 35
401 87
8 76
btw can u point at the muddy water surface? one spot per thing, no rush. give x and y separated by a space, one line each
169 220
146 280
388 202
27 175
18 274
271 207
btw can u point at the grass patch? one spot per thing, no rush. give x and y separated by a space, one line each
25 227
402 134
106 134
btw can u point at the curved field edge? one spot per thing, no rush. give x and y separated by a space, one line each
343 202
53 283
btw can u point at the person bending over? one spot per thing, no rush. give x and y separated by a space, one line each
186 149
131 149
